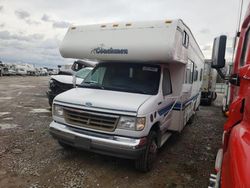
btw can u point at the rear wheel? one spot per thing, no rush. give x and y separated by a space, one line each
146 161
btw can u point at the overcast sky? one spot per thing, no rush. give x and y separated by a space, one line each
31 30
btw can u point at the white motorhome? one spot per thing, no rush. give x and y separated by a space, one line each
146 86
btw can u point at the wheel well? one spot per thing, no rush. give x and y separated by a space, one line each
156 129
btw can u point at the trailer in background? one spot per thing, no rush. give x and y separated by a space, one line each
208 88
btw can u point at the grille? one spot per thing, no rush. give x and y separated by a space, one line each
93 120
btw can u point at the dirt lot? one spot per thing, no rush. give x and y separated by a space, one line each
29 157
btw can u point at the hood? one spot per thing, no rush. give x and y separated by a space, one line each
66 79
97 98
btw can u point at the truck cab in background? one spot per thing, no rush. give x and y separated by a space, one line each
233 159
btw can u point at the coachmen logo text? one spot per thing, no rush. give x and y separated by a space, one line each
102 50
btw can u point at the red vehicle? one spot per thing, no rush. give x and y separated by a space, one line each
233 160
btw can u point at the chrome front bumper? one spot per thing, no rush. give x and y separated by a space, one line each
118 146
214 180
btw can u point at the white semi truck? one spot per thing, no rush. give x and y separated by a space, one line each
145 87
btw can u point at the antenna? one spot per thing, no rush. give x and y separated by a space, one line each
238 27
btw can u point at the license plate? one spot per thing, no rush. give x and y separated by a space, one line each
82 142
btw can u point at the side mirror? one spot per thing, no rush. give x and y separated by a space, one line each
219 49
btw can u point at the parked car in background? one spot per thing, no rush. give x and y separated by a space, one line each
61 83
44 72
21 70
12 72
30 69
52 71
1 68
70 69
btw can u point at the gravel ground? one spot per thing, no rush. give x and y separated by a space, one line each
29 157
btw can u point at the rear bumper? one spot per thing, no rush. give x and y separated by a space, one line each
123 147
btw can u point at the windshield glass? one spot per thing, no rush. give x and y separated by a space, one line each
126 77
83 73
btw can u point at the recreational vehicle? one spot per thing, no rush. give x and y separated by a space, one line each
145 87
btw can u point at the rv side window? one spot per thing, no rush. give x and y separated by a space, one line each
243 58
201 74
195 75
166 83
189 77
185 39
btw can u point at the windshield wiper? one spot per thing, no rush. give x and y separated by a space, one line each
92 85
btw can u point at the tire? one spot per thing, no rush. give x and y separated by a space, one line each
146 162
191 119
214 96
50 101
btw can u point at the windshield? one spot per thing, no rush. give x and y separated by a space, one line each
126 77
83 73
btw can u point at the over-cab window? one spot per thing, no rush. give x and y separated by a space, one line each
166 83
243 57
185 39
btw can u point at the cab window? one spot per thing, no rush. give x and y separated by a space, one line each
166 83
243 58
185 39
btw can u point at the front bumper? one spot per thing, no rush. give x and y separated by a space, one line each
214 180
123 147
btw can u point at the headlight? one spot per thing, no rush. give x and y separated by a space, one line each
132 123
51 83
57 110
140 123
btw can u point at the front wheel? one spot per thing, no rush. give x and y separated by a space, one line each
146 161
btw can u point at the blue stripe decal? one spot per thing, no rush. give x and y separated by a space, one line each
178 106
165 109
